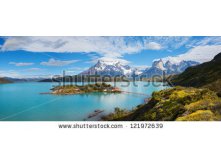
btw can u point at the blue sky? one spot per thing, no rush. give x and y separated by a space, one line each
44 56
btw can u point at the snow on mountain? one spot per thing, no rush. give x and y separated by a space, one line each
114 68
108 68
137 71
159 65
168 66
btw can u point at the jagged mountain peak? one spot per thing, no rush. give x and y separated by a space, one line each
158 64
111 68
168 66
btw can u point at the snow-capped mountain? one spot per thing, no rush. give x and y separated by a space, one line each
114 68
156 69
180 67
108 68
137 72
168 67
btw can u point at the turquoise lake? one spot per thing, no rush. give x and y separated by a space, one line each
23 101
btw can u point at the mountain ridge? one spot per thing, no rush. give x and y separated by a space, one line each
200 75
112 69
158 67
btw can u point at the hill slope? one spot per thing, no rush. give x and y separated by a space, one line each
200 75
179 103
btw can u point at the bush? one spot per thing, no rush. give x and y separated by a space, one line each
200 115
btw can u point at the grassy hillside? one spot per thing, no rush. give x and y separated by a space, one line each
200 75
215 86
179 103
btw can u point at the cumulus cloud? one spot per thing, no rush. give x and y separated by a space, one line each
199 54
207 41
19 64
53 62
110 60
114 47
153 46
105 46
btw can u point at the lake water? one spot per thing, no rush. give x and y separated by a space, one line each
23 101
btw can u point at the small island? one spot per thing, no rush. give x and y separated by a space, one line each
80 89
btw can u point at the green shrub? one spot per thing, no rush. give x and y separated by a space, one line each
200 115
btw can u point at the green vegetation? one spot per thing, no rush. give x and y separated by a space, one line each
4 80
205 115
179 103
118 113
215 86
78 89
197 101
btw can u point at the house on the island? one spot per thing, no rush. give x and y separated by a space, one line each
115 89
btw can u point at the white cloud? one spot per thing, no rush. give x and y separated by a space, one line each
105 46
141 67
199 54
169 42
110 60
114 48
209 41
53 62
19 64
153 46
